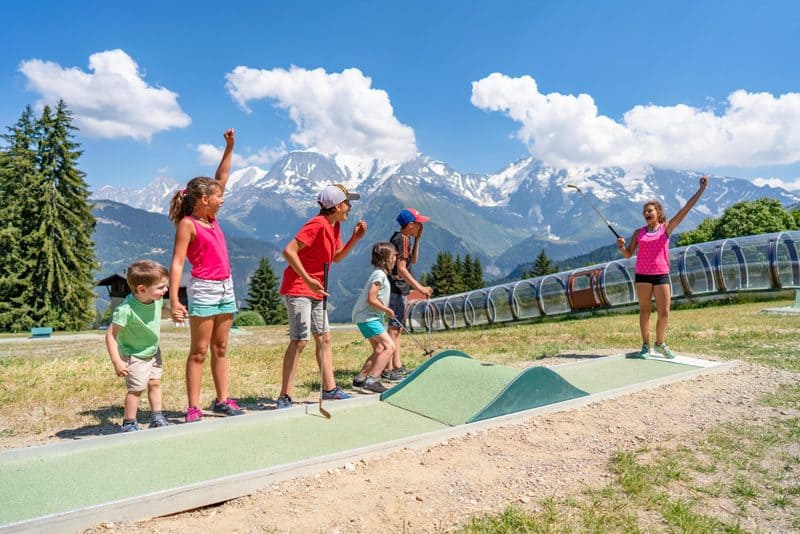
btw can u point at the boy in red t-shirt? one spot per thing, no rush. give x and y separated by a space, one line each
318 242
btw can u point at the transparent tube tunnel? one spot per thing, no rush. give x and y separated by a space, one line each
766 262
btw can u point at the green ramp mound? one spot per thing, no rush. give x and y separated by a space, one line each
454 389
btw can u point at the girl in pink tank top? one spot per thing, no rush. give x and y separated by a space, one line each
199 238
652 268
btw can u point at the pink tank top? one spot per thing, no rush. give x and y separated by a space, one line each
208 253
653 254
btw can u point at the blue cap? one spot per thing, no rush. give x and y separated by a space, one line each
409 215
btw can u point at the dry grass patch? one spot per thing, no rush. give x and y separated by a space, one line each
65 386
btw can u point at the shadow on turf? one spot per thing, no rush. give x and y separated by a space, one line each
343 377
584 356
109 419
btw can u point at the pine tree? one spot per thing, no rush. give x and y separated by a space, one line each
18 195
263 294
542 266
60 281
445 277
472 273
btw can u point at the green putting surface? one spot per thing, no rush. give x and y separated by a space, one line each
606 374
115 469
452 389
447 390
534 387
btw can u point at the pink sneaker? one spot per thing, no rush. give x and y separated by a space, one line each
193 414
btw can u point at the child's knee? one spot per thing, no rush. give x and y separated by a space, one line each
198 357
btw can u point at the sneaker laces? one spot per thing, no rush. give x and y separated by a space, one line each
232 403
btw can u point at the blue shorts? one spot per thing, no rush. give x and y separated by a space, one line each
210 297
371 328
397 303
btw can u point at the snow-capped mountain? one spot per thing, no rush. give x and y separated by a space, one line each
154 197
503 219
525 199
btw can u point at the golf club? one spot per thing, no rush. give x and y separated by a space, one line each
325 413
426 352
578 189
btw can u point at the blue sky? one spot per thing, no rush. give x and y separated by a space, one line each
708 86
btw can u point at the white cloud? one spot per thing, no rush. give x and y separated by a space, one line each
333 113
789 185
110 102
567 131
210 155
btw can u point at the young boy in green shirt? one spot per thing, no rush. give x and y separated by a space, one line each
132 341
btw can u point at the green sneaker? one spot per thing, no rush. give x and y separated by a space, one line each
665 351
642 354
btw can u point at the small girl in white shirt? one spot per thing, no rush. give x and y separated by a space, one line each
370 313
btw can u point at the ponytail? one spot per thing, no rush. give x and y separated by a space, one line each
184 201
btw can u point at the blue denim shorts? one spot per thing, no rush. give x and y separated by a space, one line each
211 297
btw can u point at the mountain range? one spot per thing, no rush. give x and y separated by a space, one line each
503 218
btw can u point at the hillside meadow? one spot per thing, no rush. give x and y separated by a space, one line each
65 386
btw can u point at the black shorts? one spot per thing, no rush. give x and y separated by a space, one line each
655 279
397 303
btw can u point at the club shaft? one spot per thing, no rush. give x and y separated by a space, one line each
591 205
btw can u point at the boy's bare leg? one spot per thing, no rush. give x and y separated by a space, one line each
154 395
394 361
322 349
290 359
132 404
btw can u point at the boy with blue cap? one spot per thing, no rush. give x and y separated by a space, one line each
402 281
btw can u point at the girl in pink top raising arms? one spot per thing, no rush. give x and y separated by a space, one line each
212 303
652 268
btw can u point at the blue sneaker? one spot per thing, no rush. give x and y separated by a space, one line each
158 420
284 401
131 427
335 394
642 354
665 351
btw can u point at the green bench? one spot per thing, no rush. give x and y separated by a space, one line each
41 331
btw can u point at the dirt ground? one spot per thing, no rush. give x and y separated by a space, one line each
438 488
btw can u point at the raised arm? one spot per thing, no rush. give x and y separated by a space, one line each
676 220
224 169
358 232
412 259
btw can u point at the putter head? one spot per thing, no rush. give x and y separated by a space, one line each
325 413
429 353
575 187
